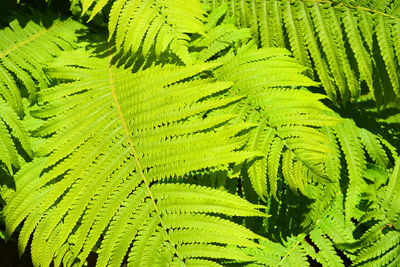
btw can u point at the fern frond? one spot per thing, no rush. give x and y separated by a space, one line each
295 34
116 136
384 252
385 42
26 180
355 160
374 148
11 126
319 243
295 253
352 142
327 254
351 44
255 74
141 25
287 117
167 163
379 244
218 39
9 155
24 51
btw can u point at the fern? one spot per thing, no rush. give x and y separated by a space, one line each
271 102
114 187
21 74
347 42
145 25
283 131
379 244
291 130
352 142
319 243
256 74
10 120
23 51
185 133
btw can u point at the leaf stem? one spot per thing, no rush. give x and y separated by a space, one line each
134 153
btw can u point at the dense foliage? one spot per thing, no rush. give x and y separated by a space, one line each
201 133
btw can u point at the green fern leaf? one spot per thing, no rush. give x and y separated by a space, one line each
352 140
139 25
345 41
374 148
355 159
256 75
295 34
380 242
387 245
9 154
117 136
318 243
386 46
9 119
20 57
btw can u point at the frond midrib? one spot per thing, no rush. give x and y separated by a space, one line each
134 153
30 39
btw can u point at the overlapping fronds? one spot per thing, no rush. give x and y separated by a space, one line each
148 26
114 136
23 52
355 143
287 119
331 232
380 243
24 49
353 45
221 36
319 244
170 146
